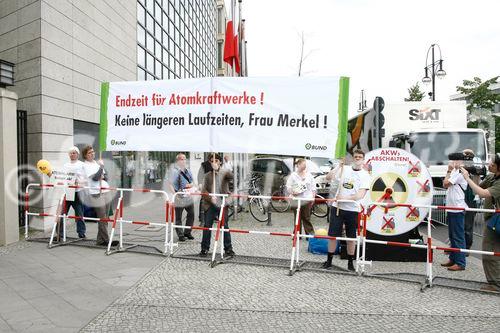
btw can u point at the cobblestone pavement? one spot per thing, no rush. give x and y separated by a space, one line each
185 295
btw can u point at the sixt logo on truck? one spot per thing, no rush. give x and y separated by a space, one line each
424 114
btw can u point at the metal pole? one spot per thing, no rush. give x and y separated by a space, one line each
433 75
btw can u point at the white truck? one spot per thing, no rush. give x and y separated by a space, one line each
429 130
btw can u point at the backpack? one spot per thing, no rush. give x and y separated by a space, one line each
469 196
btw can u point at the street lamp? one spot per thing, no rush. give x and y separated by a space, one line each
436 68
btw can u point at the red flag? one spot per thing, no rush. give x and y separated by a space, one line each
231 53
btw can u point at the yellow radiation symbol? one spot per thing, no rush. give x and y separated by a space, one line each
389 188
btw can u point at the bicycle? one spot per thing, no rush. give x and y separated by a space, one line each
320 208
258 207
281 204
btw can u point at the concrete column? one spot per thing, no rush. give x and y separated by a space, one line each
9 219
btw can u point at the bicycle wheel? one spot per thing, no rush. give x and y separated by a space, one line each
280 205
320 209
258 209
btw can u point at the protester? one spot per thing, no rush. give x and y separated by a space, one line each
76 173
455 185
354 182
228 164
99 198
489 189
204 168
471 203
301 184
215 181
181 180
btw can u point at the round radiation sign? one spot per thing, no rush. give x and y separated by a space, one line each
397 177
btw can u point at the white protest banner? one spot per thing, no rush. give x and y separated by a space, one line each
286 116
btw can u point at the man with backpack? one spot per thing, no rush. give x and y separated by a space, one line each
470 197
181 180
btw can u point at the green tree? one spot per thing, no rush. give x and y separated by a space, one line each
416 95
478 94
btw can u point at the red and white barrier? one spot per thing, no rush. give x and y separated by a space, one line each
220 230
117 218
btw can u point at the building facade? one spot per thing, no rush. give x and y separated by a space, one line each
64 49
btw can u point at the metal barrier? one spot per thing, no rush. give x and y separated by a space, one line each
439 215
117 218
296 236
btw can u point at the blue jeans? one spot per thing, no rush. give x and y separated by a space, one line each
212 215
78 208
456 233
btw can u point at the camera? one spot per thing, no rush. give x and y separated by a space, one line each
472 164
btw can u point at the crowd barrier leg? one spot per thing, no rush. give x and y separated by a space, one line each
64 211
167 226
358 244
26 209
222 233
172 228
218 233
294 240
363 249
58 214
430 254
115 218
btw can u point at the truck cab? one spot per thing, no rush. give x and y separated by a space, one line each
432 146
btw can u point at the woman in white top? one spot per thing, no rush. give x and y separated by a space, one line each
99 199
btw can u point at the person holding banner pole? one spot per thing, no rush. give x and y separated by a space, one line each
354 182
215 181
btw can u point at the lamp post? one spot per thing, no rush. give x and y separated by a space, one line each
436 68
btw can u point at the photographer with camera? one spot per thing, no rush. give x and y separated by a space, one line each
489 189
455 185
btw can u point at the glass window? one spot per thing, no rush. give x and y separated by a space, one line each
165 56
149 77
150 5
150 62
158 50
165 72
165 39
165 21
149 23
158 69
141 35
141 56
158 31
158 12
141 74
150 42
141 14
220 52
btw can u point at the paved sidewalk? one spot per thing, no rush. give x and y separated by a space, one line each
71 288
62 289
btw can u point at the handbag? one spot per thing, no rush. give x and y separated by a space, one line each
494 223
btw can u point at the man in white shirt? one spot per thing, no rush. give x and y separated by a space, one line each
301 184
76 173
72 174
354 182
455 185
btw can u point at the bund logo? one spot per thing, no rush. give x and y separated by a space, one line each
118 143
309 146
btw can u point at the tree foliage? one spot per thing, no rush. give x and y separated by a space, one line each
478 94
415 94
